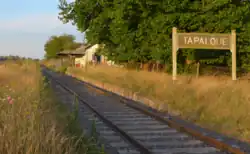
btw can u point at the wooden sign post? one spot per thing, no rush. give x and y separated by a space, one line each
203 41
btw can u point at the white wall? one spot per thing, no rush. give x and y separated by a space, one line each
88 57
80 60
90 52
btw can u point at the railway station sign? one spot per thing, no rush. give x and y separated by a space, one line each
203 41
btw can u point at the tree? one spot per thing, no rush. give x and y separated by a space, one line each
140 30
56 44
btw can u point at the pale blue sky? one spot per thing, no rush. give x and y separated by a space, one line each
25 25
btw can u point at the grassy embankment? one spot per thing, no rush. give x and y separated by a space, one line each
216 103
32 120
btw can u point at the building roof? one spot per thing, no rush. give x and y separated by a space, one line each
79 51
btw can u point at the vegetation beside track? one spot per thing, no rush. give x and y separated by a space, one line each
216 103
139 34
31 118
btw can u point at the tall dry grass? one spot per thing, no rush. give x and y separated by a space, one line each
31 119
216 103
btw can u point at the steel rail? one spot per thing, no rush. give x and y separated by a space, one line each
134 142
157 116
209 140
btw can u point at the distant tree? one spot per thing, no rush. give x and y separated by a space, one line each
57 44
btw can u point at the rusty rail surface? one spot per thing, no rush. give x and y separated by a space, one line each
236 146
236 149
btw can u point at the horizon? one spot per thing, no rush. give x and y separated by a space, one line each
28 25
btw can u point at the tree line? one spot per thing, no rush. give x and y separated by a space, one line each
56 44
15 57
139 31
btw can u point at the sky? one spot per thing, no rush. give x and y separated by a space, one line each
25 26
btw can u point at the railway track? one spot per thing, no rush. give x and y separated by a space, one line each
132 129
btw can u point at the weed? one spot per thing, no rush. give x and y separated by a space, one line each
213 102
31 118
